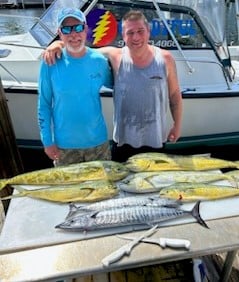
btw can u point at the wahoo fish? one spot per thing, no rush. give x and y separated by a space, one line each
87 191
197 191
154 200
74 173
158 161
144 182
142 216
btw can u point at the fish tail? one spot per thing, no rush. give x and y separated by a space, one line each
233 182
11 196
195 213
3 183
236 164
22 192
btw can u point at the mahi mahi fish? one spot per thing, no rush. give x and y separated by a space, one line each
75 173
87 191
152 181
158 161
153 200
142 216
198 191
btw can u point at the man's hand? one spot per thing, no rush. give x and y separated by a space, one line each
52 152
174 134
53 52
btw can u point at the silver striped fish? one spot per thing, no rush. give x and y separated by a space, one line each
153 200
142 216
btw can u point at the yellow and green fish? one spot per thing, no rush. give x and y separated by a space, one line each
87 191
158 161
74 173
153 181
198 191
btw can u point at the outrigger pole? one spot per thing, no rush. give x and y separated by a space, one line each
161 16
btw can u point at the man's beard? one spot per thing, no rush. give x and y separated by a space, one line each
78 49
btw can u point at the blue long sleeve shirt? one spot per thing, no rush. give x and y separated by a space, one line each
69 105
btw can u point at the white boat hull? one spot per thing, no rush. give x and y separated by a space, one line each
203 118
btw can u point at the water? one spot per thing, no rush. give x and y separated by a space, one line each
17 21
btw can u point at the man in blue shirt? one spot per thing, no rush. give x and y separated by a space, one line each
71 121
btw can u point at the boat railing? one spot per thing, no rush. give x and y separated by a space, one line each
191 60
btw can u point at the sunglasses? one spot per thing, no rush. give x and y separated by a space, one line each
68 29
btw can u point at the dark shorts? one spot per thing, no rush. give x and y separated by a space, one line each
122 153
70 156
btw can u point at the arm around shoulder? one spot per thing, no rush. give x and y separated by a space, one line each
52 52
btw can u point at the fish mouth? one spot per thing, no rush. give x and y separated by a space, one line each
64 225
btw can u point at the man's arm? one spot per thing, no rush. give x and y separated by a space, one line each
44 108
175 97
52 52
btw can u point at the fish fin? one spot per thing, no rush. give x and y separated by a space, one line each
72 209
195 213
94 214
233 183
237 164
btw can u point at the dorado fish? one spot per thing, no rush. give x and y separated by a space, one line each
145 182
197 191
123 202
159 161
142 216
75 173
87 191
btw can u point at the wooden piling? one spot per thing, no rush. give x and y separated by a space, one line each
10 159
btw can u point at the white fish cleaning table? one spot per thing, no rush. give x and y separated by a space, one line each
31 249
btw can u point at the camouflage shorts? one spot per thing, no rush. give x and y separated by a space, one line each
70 156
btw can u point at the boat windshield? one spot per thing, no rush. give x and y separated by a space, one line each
194 24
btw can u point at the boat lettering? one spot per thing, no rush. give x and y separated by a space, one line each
181 27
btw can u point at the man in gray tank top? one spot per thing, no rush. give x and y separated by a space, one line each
146 84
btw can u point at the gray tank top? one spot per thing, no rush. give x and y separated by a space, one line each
141 102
